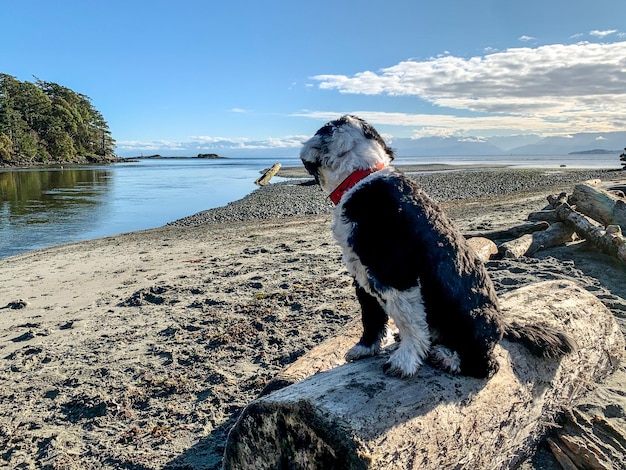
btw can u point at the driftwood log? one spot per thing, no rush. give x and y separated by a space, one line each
555 200
354 416
592 213
483 247
545 215
512 232
608 240
587 441
267 176
527 245
600 205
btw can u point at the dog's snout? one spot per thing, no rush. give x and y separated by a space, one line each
313 169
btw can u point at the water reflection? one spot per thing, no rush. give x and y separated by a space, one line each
43 207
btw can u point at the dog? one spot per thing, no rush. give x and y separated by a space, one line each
410 263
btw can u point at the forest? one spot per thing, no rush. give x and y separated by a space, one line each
47 123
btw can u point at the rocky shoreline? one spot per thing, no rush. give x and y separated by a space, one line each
301 197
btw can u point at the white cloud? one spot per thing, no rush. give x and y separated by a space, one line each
210 143
136 145
427 131
526 38
603 34
206 139
549 89
446 125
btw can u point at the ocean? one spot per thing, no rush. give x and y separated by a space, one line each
42 207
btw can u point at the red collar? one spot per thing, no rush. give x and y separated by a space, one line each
350 181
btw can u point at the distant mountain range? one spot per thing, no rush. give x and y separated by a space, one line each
608 142
611 142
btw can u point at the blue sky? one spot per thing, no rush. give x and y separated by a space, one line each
172 76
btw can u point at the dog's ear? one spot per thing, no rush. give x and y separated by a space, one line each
327 129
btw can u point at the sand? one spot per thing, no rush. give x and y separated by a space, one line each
138 351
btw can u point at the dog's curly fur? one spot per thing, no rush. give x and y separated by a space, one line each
410 263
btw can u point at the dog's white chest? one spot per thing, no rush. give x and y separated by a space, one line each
342 230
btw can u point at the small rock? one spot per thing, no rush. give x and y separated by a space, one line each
17 304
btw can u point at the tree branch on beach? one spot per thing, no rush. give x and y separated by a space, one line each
591 213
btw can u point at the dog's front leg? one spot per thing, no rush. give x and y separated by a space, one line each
407 310
375 329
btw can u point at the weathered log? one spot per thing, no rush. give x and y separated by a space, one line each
325 356
545 215
513 232
586 441
618 190
354 416
527 245
561 457
609 240
555 201
483 247
600 205
267 176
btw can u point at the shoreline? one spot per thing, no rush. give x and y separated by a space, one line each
140 349
432 177
300 171
301 196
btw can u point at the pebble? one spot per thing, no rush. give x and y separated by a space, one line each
301 197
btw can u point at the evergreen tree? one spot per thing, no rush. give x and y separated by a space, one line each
44 122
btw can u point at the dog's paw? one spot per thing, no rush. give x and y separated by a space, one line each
445 359
360 351
403 362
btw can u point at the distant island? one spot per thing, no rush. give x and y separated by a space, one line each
594 152
209 156
46 123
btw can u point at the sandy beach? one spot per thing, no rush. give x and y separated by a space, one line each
138 351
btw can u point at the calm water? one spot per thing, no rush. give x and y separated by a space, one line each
45 207
41 208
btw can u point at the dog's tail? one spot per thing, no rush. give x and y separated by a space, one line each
540 339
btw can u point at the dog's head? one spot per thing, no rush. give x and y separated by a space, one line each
342 147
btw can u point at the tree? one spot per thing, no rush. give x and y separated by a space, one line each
46 122
6 147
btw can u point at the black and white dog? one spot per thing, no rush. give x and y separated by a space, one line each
410 263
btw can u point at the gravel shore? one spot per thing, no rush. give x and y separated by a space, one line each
298 197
